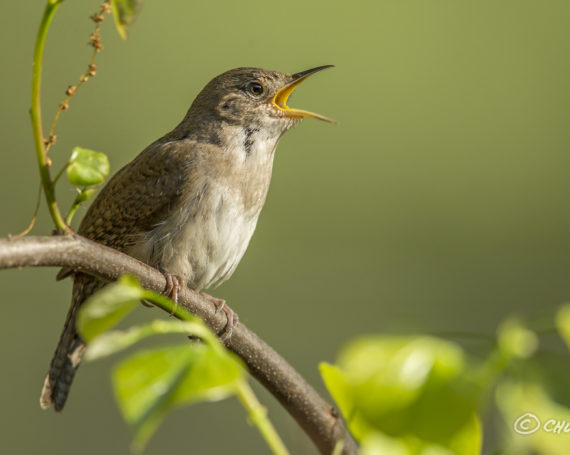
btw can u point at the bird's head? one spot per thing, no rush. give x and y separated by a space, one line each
253 96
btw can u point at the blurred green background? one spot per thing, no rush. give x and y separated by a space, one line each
440 203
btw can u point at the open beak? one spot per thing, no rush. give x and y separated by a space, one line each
281 97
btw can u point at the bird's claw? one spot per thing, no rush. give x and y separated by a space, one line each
173 286
231 317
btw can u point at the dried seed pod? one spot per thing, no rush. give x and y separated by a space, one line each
105 7
92 71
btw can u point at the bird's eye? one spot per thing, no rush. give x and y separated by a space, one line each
255 88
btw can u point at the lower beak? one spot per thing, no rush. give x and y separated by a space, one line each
281 97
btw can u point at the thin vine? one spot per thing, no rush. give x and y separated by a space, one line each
43 144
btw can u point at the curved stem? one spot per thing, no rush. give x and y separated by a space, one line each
258 415
34 216
36 116
60 173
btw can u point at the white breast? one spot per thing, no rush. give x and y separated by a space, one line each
210 246
203 243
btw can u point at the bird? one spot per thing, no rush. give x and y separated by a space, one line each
188 204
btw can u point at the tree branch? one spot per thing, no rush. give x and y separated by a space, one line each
312 413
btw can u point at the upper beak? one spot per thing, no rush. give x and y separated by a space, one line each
282 95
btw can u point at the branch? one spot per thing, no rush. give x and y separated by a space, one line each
312 413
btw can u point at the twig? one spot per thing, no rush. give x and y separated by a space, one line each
95 42
311 412
34 216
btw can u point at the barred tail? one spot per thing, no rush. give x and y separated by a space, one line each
69 350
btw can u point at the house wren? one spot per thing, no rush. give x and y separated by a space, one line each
189 203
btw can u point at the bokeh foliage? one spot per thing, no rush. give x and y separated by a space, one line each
416 395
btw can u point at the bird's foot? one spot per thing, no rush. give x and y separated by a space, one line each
231 316
173 286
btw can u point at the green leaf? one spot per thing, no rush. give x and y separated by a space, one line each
415 389
84 195
107 307
380 444
125 13
563 323
114 341
342 390
531 417
515 340
337 386
152 382
469 438
86 167
466 441
389 373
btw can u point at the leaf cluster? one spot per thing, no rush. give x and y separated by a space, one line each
152 382
414 395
